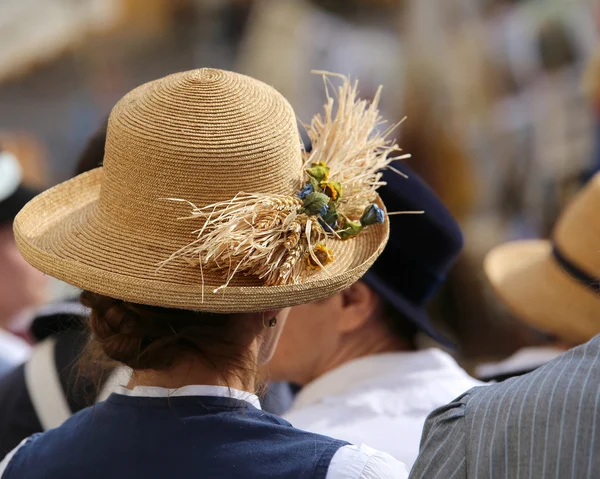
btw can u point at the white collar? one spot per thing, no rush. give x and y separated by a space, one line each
193 390
523 360
378 369
64 307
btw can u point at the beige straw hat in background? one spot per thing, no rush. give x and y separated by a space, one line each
202 136
555 285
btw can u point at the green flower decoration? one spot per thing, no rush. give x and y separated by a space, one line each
318 171
315 202
350 228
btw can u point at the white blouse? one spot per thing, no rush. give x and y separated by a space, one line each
381 399
349 462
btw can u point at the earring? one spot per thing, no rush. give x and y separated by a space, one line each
272 322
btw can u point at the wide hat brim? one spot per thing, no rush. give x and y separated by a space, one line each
528 278
62 233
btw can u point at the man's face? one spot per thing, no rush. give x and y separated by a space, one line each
21 285
308 340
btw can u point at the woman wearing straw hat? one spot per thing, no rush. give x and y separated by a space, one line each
202 228
529 274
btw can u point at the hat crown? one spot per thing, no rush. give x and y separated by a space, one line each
203 136
577 232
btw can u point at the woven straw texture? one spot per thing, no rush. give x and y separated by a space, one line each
526 275
205 136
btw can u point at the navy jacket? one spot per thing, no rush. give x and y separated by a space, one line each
180 437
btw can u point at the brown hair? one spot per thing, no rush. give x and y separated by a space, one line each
154 338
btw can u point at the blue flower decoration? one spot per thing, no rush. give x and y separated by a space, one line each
372 214
307 190
379 215
323 211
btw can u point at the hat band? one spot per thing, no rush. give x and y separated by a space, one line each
574 271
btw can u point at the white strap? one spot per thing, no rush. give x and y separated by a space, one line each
59 308
43 384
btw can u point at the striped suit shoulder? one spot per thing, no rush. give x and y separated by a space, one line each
539 425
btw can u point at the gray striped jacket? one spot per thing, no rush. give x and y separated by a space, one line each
544 424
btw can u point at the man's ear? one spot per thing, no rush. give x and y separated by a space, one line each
359 303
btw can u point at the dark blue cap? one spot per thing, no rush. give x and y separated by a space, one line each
421 249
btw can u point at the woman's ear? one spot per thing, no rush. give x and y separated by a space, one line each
359 304
273 323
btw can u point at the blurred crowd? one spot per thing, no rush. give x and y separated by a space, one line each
498 105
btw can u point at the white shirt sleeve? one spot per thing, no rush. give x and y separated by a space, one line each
364 462
9 456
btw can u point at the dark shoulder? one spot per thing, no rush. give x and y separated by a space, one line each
56 318
41 446
18 419
11 383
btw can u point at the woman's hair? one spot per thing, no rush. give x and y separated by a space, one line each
154 338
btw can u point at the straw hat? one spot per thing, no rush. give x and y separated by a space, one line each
555 285
202 137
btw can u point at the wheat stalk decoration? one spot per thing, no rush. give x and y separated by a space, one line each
282 239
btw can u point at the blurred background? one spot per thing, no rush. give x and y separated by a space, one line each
502 99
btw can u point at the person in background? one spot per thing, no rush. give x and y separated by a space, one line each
545 422
505 267
315 30
591 86
45 391
356 354
562 127
21 286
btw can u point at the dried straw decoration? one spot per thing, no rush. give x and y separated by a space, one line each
349 141
262 235
282 239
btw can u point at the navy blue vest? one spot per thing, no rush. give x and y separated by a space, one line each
180 437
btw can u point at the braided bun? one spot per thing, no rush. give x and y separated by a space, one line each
150 337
